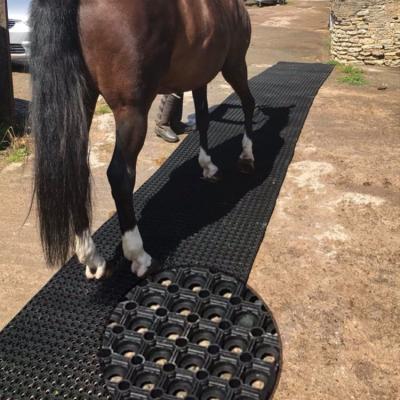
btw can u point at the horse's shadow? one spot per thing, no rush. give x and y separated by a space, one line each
186 203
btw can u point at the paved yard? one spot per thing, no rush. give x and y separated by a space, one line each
329 266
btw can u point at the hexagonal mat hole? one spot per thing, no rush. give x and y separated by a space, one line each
202 337
223 369
127 348
146 381
256 379
170 330
214 313
183 307
141 324
190 362
235 344
194 282
158 355
179 388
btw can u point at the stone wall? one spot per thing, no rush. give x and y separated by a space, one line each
366 31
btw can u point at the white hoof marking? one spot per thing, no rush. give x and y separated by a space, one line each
247 145
88 255
132 245
100 272
89 274
209 168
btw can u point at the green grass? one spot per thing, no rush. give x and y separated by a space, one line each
18 154
350 74
102 109
13 149
333 62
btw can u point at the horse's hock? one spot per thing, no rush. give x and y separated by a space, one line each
366 31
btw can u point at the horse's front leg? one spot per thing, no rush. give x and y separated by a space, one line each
235 73
210 170
131 125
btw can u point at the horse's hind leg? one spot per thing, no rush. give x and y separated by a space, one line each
236 75
131 124
203 120
89 256
84 245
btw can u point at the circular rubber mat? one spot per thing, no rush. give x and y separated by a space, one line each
191 334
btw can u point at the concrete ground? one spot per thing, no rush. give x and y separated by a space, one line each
329 266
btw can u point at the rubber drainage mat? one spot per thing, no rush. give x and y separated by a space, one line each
191 334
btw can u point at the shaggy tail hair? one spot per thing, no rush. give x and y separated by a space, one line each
60 125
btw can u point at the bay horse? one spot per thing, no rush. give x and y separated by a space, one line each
128 51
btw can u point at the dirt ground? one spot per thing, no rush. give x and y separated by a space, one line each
329 266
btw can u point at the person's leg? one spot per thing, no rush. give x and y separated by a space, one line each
168 108
177 111
176 123
168 123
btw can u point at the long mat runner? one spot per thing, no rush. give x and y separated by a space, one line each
48 351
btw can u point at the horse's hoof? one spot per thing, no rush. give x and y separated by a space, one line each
246 166
154 268
96 273
90 273
213 179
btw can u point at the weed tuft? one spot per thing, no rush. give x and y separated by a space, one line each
13 148
350 74
333 62
103 108
19 154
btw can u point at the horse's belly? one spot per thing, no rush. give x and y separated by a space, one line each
194 65
191 72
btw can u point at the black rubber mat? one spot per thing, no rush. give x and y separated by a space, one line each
189 333
185 220
49 350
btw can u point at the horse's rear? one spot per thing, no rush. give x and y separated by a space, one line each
129 51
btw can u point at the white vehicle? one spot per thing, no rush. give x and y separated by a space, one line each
18 28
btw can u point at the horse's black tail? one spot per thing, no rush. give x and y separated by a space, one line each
60 125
